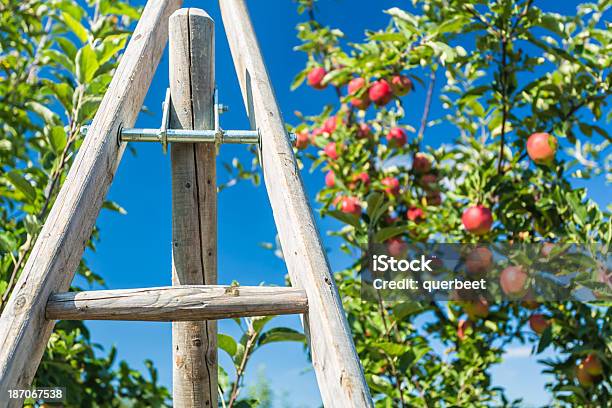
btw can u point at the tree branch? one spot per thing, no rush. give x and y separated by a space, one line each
426 108
248 349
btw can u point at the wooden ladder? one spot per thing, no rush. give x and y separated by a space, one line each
194 302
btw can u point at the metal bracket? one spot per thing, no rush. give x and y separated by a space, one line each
164 134
165 123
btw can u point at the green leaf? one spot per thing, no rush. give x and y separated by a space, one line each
452 25
22 185
7 242
376 206
402 15
63 92
281 334
387 37
75 26
391 349
57 138
119 8
405 309
552 22
227 344
32 225
389 232
411 357
545 340
67 46
3 286
247 403
60 59
86 64
260 322
298 80
113 206
345 218
238 355
110 47
45 113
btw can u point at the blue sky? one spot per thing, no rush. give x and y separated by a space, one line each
135 249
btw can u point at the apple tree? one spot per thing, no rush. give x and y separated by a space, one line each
56 60
520 97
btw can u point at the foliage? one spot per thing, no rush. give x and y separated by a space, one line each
57 59
509 69
254 335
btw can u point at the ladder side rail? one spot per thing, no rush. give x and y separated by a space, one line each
194 203
336 363
177 303
24 331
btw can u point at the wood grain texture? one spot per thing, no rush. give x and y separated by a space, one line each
177 303
24 331
194 202
339 372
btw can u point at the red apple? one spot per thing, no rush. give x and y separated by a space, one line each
401 85
513 281
350 205
547 248
390 219
396 137
415 214
584 378
538 323
396 247
479 260
380 92
315 77
302 140
434 198
331 150
541 147
592 365
476 308
330 125
428 181
477 219
392 185
363 177
363 131
330 179
529 302
462 327
421 163
361 102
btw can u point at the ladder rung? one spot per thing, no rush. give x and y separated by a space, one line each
177 303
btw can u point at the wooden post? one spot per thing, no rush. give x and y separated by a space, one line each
335 360
24 331
194 202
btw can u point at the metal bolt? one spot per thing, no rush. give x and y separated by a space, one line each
222 108
84 130
292 137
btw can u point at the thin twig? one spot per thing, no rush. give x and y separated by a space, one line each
241 368
503 79
427 107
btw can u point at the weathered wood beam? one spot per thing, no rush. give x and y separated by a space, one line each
24 330
194 203
177 303
336 364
